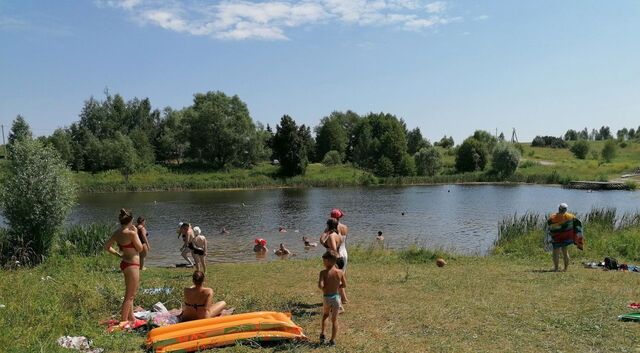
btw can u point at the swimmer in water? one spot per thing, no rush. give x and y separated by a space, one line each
282 251
224 231
308 243
261 246
380 236
282 229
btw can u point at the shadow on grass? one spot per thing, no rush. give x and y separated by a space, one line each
299 309
544 271
282 346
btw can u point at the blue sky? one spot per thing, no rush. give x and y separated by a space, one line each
449 67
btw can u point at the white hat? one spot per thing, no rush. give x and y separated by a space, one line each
197 231
563 206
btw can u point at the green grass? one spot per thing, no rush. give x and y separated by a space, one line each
562 160
538 166
607 233
400 302
261 176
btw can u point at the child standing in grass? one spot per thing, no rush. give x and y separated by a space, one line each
330 281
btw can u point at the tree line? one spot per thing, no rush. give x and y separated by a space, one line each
218 132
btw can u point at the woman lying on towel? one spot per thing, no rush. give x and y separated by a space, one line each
198 301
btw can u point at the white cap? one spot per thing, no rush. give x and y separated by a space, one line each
563 206
197 231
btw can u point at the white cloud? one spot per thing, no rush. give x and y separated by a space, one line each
436 7
12 23
269 19
481 18
45 26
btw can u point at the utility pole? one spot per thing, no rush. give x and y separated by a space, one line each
3 143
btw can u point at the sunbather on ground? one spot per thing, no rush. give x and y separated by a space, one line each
198 301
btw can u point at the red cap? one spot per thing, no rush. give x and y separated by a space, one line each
260 241
337 213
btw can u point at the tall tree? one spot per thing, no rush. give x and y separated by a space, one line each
20 131
622 134
289 147
584 134
145 154
445 142
571 135
486 138
415 141
263 150
220 129
604 133
376 136
61 141
172 142
428 161
331 135
309 143
471 156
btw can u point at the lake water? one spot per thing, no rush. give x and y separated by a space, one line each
453 217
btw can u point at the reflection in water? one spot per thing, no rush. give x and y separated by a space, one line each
459 218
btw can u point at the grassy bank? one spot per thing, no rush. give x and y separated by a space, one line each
400 302
607 233
261 176
538 166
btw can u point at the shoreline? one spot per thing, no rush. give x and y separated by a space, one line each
277 187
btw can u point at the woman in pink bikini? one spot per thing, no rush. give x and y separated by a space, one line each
127 239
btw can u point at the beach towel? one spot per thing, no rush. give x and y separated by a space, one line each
79 343
565 229
630 317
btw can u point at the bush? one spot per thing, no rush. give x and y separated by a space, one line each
84 240
580 149
36 196
384 167
332 158
416 255
428 161
549 141
609 151
445 142
505 160
407 166
471 156
529 164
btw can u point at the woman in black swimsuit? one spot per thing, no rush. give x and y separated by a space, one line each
198 301
143 235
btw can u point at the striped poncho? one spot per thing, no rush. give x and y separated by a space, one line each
565 229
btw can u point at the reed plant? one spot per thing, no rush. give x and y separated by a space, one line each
83 240
607 233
